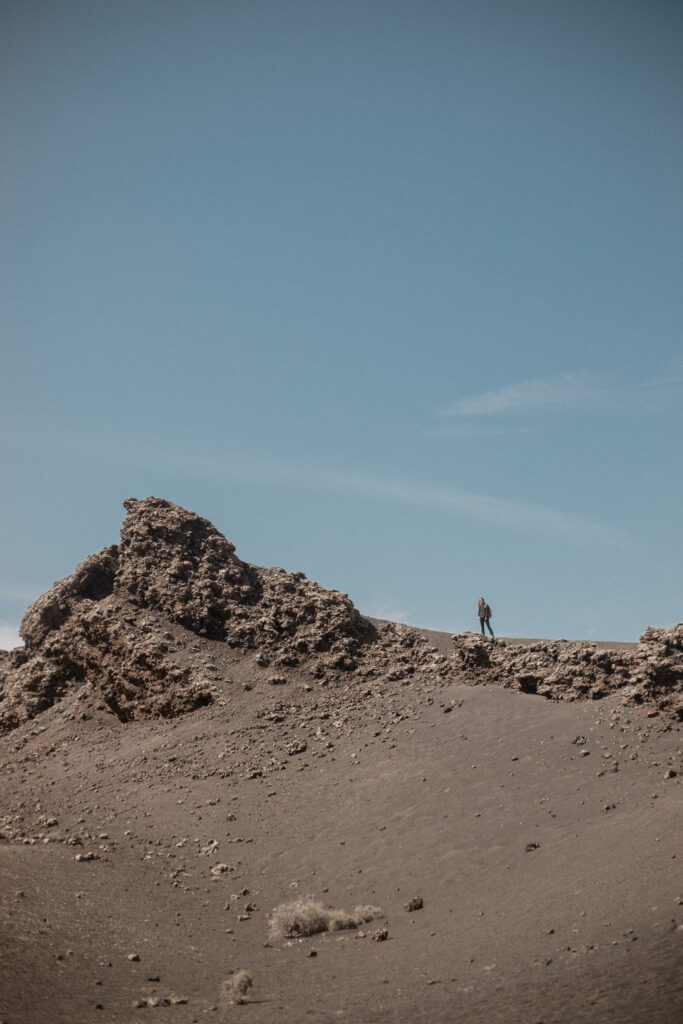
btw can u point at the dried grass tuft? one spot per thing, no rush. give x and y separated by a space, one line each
366 913
308 916
236 989
338 920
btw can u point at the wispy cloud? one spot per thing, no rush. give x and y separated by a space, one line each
470 429
254 468
9 636
567 391
387 612
515 515
27 594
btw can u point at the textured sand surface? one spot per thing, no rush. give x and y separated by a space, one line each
142 853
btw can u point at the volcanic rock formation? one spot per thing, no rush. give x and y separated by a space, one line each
119 631
652 673
110 629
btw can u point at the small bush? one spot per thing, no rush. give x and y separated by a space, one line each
366 913
308 916
338 920
236 989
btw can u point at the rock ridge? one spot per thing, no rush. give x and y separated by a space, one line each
652 673
123 631
108 629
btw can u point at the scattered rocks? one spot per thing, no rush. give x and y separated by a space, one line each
156 1001
220 869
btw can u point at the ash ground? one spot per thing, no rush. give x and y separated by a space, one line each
189 742
200 825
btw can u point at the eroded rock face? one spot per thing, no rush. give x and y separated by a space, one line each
92 580
122 628
102 628
178 563
652 673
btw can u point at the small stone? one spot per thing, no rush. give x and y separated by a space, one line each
416 903
219 869
381 935
134 957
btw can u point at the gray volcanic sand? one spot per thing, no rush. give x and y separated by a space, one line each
401 791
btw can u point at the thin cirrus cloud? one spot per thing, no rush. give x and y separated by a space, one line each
510 514
9 636
525 517
19 593
565 392
516 515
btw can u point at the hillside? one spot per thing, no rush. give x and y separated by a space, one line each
190 741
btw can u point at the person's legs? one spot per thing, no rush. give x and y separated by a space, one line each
489 625
481 623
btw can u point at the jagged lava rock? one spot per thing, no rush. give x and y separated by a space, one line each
178 563
101 629
565 670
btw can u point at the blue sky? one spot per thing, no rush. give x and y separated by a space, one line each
389 291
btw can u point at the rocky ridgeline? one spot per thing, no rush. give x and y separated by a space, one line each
104 630
651 674
122 628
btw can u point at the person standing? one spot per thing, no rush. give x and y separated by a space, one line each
484 613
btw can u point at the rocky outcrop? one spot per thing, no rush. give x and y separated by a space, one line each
121 627
652 673
103 628
178 563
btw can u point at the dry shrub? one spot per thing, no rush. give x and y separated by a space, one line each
366 913
338 920
236 989
308 916
305 916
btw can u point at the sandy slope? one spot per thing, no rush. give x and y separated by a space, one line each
401 791
189 741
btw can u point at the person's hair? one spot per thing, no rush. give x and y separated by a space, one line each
481 601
